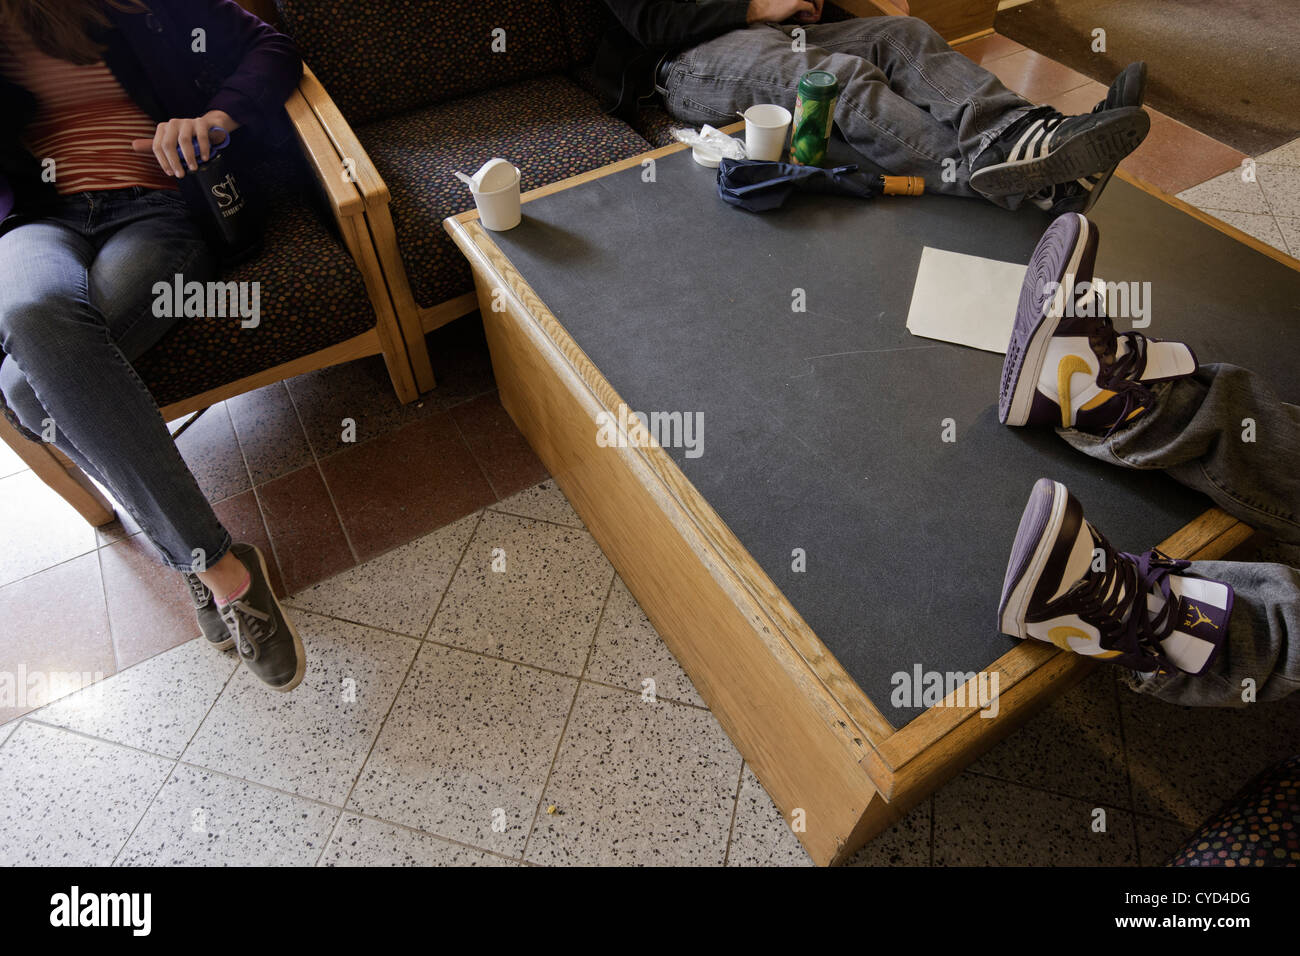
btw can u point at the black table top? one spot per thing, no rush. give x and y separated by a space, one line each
823 429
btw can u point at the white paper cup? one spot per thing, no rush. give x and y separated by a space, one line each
766 126
498 209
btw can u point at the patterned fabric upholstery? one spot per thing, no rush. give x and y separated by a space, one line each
1260 826
547 127
584 22
379 58
311 297
654 123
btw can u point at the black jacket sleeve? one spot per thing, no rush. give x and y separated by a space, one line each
676 24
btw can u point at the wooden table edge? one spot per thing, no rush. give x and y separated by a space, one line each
900 761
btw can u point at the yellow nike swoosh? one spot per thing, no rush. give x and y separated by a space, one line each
1066 368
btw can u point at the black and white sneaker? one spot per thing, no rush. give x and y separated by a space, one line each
1045 148
1080 195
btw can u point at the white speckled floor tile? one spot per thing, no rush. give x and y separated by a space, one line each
981 821
206 819
358 841
1227 191
1281 185
398 590
637 783
155 705
761 836
542 609
1288 155
1073 747
69 801
312 740
1290 234
466 749
8 729
1260 225
630 651
544 501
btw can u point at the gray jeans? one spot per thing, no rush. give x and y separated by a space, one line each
1224 431
908 101
75 311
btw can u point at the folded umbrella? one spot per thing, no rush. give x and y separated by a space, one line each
759 185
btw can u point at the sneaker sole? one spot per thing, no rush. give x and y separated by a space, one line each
299 650
1067 249
1133 93
1083 154
225 645
1036 539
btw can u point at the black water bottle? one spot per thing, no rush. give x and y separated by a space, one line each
225 209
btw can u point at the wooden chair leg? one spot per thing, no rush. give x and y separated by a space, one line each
61 474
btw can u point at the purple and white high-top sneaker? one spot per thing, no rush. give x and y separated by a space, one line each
1067 586
1065 363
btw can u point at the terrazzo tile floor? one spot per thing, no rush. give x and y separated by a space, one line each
457 714
442 723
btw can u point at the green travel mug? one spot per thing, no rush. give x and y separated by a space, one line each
814 111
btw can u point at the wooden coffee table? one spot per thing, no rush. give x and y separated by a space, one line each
620 290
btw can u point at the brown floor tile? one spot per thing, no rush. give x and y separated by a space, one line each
392 490
461 361
987 49
1081 99
1175 157
309 541
210 448
1034 76
362 391
37 527
243 519
267 426
500 448
55 635
149 606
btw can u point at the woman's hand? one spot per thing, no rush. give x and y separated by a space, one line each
182 133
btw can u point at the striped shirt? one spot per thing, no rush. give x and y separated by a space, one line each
84 121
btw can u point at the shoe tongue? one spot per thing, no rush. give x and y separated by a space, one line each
1014 131
1078 566
1200 620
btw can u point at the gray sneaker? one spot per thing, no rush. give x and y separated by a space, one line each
264 637
205 609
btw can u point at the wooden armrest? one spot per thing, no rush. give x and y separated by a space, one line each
373 189
342 193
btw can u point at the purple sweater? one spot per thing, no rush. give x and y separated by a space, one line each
241 65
